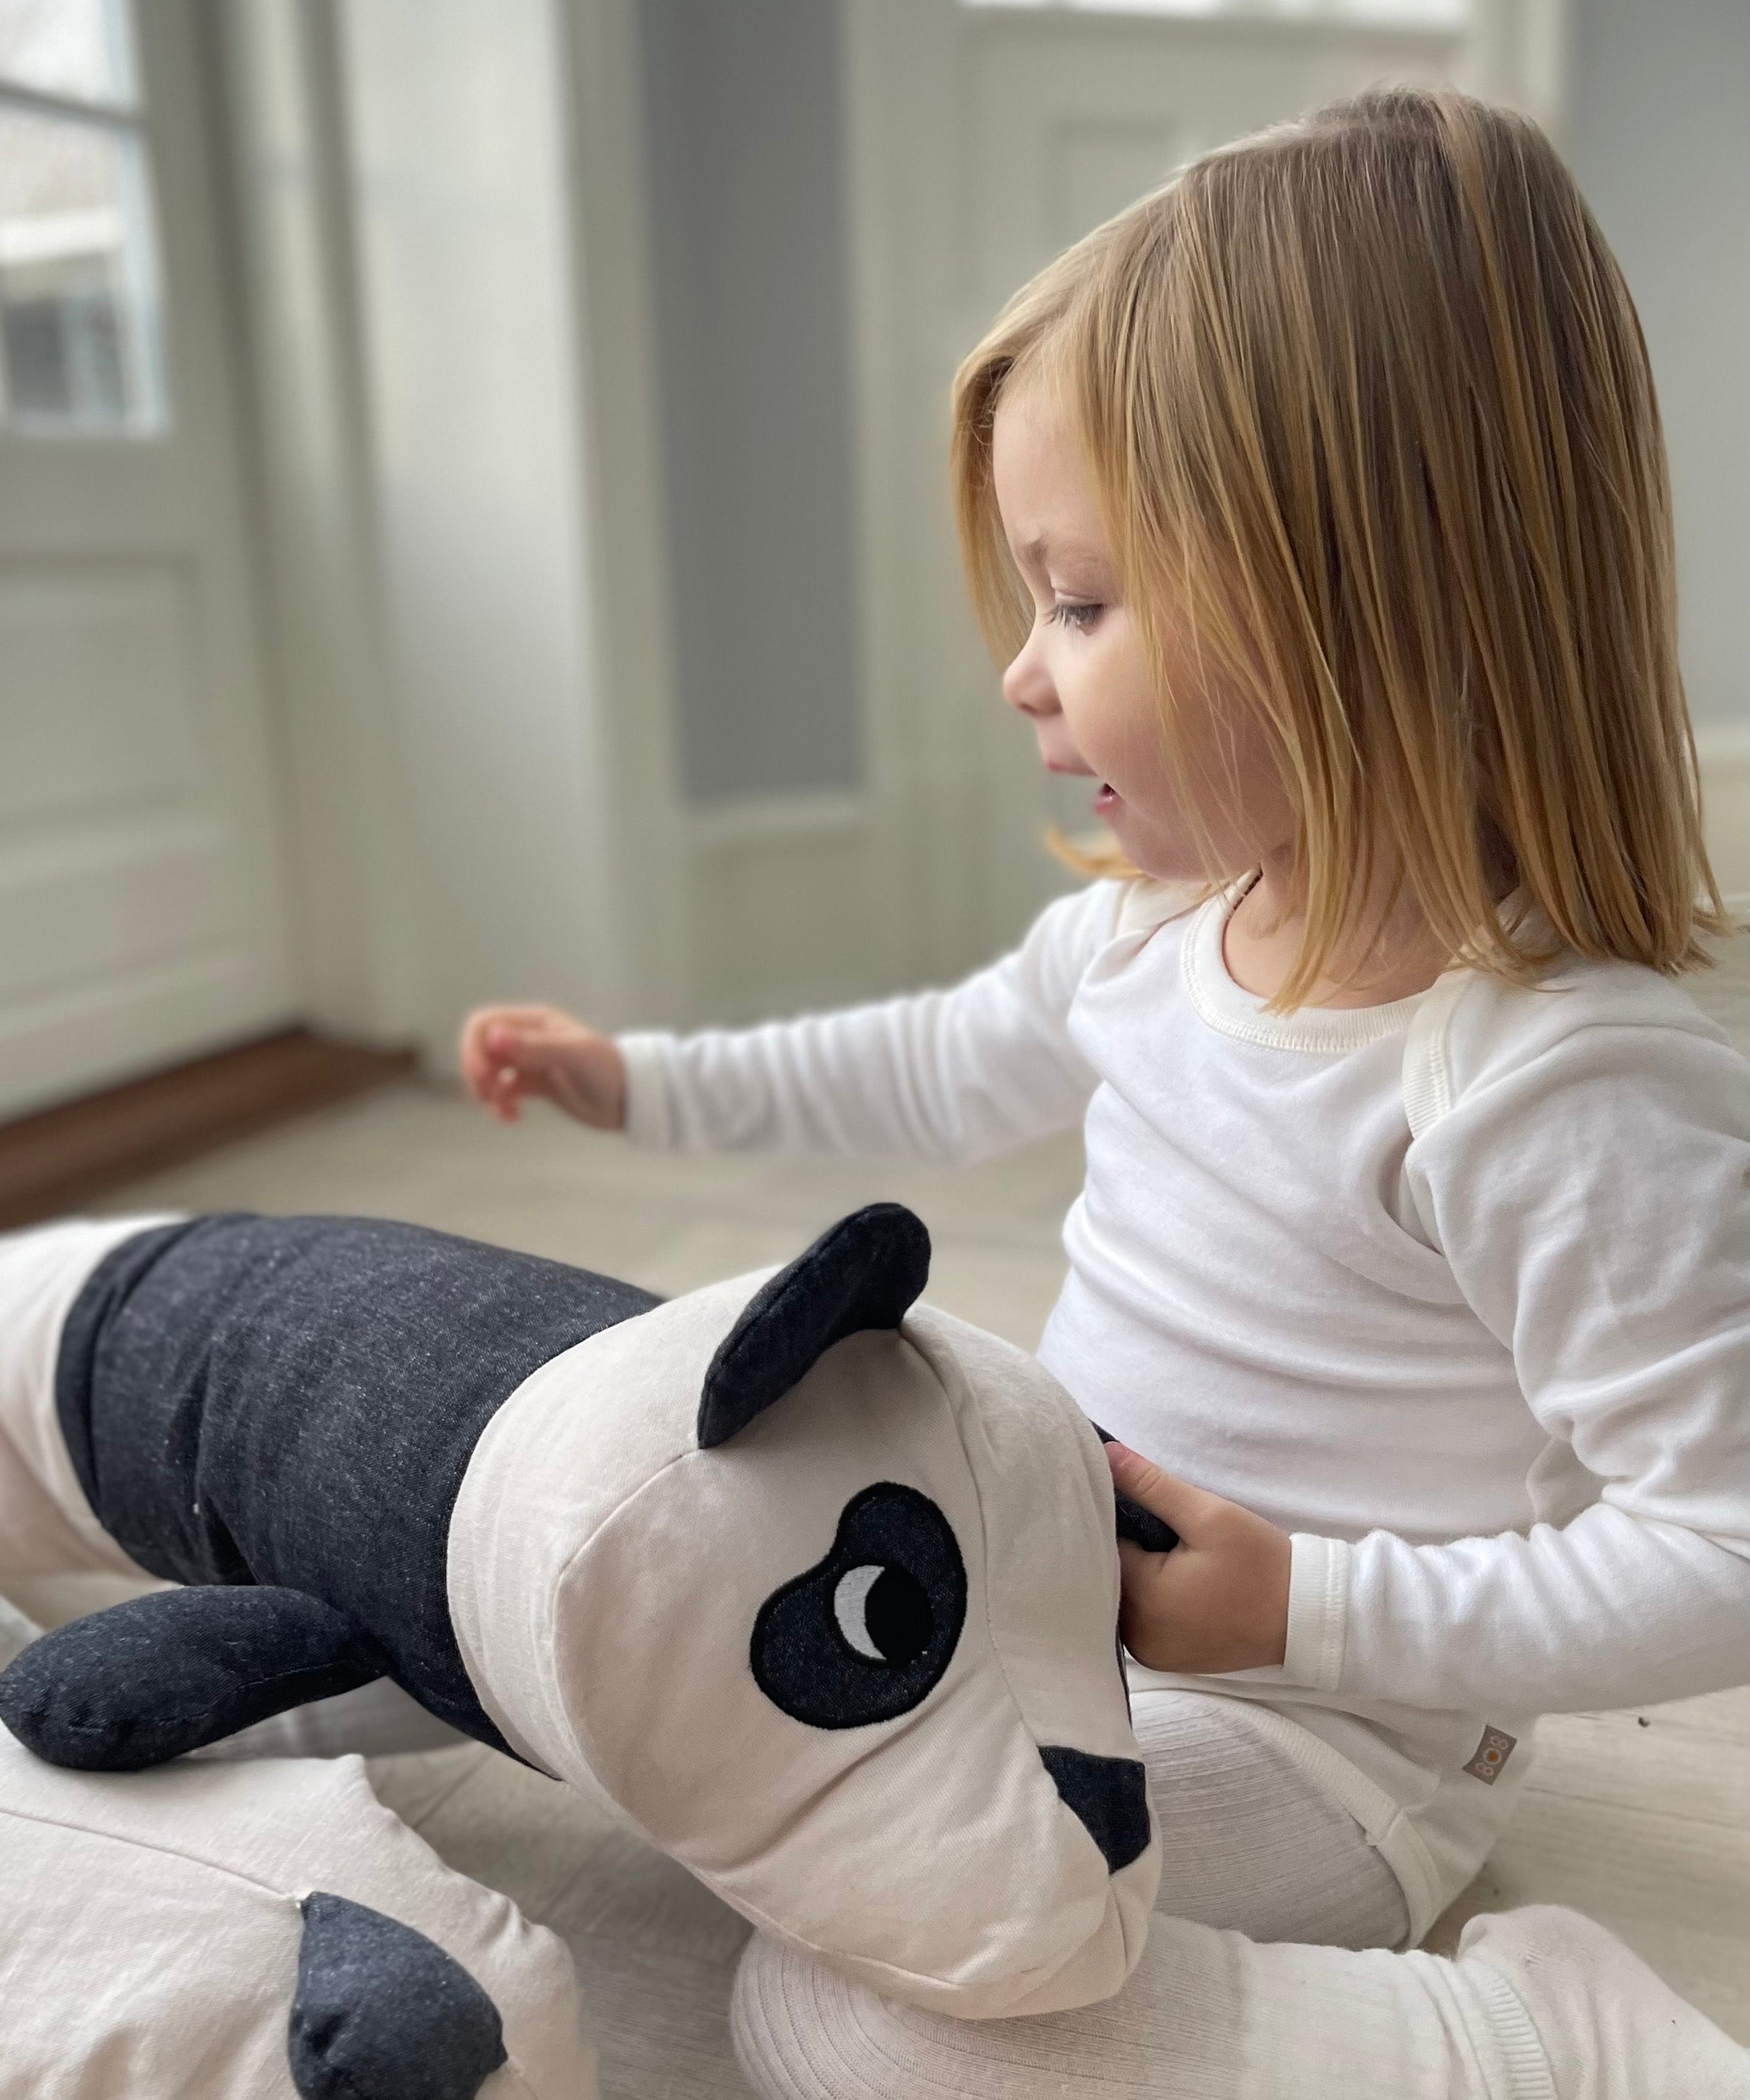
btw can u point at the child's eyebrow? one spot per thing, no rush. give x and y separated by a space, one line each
1042 552
1043 555
1041 547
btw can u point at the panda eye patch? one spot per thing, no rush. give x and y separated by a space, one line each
865 1634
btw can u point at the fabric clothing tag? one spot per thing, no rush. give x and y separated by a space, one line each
1491 1754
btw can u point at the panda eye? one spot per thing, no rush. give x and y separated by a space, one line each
865 1634
883 1612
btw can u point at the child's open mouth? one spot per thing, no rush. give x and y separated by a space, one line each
1106 801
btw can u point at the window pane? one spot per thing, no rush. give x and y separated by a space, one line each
79 306
72 48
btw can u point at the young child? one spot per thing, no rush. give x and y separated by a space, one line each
1317 504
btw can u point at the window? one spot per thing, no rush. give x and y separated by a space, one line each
79 332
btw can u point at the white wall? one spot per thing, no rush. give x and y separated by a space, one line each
362 940
1661 141
438 210
1659 136
458 157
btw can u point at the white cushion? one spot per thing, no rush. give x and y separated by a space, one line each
150 1934
654 1951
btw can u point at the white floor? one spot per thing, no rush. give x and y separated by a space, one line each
1641 1819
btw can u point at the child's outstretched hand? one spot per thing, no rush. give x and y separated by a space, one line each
509 1054
1219 1600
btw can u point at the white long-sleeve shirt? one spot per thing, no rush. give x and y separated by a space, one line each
1455 1290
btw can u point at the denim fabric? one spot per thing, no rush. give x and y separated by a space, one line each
295 1401
383 2011
866 1271
150 1679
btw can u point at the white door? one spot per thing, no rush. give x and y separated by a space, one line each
142 912
985 138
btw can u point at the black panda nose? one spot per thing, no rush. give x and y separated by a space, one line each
1110 1797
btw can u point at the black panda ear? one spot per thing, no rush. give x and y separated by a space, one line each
865 1272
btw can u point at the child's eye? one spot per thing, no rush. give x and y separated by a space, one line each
1079 614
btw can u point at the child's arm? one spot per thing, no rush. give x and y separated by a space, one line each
1590 1187
956 1074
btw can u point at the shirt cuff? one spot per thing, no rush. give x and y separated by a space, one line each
649 1122
1318 1611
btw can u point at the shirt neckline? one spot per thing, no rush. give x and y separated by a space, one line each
1324 1031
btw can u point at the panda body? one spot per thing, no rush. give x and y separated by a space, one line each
294 1402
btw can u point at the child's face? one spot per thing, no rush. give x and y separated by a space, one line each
1085 680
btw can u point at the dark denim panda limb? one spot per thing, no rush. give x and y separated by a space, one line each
382 2013
227 1390
149 1679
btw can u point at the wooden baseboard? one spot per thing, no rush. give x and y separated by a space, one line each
60 1157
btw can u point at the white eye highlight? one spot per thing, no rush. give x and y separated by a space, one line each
850 1608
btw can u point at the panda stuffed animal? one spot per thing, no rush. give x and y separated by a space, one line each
817 1585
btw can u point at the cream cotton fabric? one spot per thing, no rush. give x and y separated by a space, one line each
1541 2004
604 1574
1249 1840
46 1525
150 1939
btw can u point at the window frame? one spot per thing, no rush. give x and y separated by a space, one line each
125 117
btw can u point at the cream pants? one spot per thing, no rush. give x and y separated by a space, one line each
1541 2005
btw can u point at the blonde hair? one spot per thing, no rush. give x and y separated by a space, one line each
1370 414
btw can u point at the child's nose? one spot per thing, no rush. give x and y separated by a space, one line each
1027 684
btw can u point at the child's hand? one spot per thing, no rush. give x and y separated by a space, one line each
1219 1600
509 1053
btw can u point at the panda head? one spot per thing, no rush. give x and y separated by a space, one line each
820 1588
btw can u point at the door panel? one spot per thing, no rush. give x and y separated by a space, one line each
142 914
97 689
